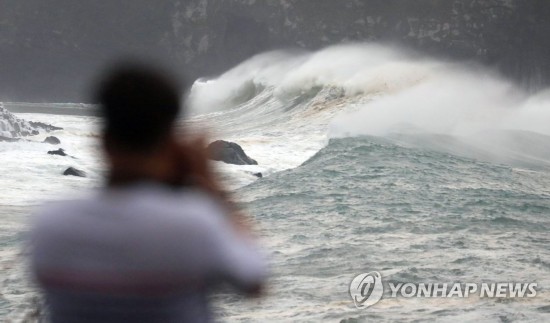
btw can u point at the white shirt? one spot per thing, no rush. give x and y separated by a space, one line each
144 252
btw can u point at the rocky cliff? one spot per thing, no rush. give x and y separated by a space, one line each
50 49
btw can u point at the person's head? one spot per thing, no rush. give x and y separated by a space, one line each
139 106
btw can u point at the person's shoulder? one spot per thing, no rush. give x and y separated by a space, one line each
61 211
200 206
198 199
180 214
149 202
58 216
56 206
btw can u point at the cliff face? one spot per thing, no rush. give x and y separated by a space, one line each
50 48
508 34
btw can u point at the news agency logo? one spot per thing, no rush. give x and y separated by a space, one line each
367 289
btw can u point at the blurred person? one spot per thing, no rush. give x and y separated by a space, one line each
161 234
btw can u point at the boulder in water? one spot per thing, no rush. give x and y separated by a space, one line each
52 140
59 152
258 175
71 171
229 152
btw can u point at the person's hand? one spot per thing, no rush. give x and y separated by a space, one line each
193 168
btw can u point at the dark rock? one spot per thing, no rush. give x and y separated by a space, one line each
52 140
259 175
74 172
229 152
59 152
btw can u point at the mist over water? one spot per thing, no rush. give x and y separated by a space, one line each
427 94
411 93
388 91
292 74
453 100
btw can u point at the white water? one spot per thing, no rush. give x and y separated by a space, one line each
294 102
35 176
282 107
450 101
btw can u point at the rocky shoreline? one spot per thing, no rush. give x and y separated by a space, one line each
14 129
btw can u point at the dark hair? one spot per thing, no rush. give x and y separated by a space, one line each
139 105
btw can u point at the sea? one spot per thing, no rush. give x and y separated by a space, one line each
374 159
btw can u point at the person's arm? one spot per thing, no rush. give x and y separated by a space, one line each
236 256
